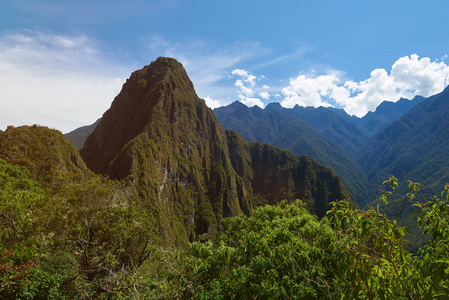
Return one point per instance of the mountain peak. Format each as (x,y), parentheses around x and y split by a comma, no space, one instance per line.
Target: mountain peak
(273,106)
(160,88)
(190,172)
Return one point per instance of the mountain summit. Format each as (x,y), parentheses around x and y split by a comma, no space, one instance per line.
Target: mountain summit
(190,172)
(151,94)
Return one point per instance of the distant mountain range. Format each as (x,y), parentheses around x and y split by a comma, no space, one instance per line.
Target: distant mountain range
(328,135)
(413,147)
(348,144)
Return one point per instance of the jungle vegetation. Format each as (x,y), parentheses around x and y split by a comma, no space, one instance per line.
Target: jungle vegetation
(81,238)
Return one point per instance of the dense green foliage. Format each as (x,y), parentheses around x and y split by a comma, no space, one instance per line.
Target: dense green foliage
(87,237)
(43,151)
(283,252)
(79,238)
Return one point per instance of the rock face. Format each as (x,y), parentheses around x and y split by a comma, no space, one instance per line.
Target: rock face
(188,170)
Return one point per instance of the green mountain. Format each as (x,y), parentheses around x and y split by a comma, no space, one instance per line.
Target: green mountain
(275,126)
(78,136)
(414,147)
(159,136)
(45,152)
(333,123)
(385,114)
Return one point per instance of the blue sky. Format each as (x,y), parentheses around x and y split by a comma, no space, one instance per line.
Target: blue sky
(61,65)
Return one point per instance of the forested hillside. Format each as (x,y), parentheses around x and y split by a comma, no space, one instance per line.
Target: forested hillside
(414,147)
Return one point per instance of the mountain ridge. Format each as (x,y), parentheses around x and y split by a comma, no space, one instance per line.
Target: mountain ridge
(162,138)
(274,126)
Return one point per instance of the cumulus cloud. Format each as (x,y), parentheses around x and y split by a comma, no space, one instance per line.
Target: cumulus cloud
(264,95)
(247,88)
(212,103)
(247,77)
(306,91)
(53,80)
(250,102)
(247,91)
(409,76)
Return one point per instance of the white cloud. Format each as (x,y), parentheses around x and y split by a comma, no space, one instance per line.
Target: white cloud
(250,102)
(409,76)
(208,65)
(212,103)
(247,91)
(247,77)
(265,87)
(309,91)
(57,81)
(264,95)
(246,88)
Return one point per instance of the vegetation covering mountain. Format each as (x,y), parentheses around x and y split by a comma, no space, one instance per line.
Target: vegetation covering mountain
(66,233)
(43,151)
(414,147)
(84,239)
(333,123)
(274,174)
(78,136)
(284,130)
(162,138)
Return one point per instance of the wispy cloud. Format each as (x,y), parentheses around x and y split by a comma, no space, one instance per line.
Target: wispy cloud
(58,81)
(298,53)
(208,64)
